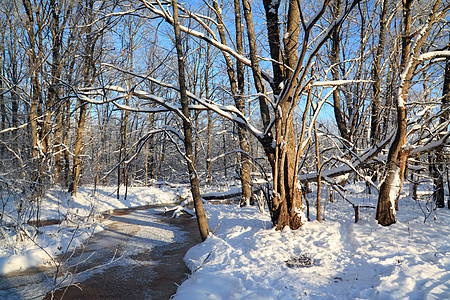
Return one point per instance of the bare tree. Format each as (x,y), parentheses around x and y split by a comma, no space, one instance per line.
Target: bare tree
(187,127)
(237,87)
(88,76)
(439,153)
(376,70)
(398,154)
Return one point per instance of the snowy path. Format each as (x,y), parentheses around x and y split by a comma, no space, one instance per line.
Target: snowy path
(139,255)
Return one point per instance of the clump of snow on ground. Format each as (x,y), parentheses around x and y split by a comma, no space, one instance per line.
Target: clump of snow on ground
(79,217)
(246,258)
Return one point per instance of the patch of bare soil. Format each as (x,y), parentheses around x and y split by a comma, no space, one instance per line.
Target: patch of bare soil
(153,274)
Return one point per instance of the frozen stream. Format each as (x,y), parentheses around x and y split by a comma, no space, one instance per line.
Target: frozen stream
(138,256)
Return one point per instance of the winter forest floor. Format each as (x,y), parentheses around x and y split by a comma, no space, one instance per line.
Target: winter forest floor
(139,255)
(245,258)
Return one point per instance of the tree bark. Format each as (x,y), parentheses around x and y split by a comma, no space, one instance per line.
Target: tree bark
(335,60)
(273,34)
(265,115)
(237,88)
(35,88)
(210,121)
(83,106)
(187,127)
(256,71)
(287,203)
(376,72)
(150,162)
(66,129)
(439,166)
(2,99)
(208,150)
(319,179)
(54,91)
(240,104)
(391,186)
(397,157)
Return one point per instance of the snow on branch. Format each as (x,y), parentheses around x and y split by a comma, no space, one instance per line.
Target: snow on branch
(433,55)
(308,26)
(140,94)
(303,66)
(357,162)
(414,59)
(11,129)
(174,131)
(206,38)
(140,143)
(338,82)
(228,111)
(445,140)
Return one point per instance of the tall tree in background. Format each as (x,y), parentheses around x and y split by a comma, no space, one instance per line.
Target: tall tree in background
(54,90)
(237,89)
(88,78)
(187,128)
(439,153)
(376,72)
(335,66)
(287,201)
(34,27)
(3,113)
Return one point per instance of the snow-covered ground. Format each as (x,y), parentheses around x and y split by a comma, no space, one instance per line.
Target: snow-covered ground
(80,218)
(246,258)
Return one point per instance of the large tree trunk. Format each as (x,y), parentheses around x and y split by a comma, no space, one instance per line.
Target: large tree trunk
(287,203)
(396,162)
(187,127)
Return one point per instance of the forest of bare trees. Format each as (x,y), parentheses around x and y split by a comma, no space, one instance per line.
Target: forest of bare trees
(293,93)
